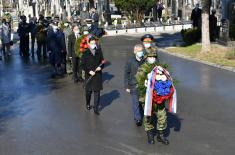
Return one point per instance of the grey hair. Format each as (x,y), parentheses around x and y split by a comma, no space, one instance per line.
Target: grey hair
(138,46)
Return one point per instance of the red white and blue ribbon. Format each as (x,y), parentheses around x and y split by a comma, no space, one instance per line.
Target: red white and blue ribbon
(173,102)
(149,93)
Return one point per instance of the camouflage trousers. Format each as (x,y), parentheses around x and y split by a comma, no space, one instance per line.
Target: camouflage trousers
(160,112)
(69,66)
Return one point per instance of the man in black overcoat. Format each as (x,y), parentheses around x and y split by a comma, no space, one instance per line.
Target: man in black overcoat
(91,63)
(56,47)
(23,32)
(196,16)
(72,38)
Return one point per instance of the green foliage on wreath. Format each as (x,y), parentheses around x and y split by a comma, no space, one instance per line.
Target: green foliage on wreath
(77,46)
(141,76)
(8,17)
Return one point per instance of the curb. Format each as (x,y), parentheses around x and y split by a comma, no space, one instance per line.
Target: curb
(232,69)
(152,29)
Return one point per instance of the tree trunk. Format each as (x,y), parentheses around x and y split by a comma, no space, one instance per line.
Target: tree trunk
(205,26)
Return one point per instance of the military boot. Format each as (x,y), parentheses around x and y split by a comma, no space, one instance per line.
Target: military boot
(161,138)
(150,137)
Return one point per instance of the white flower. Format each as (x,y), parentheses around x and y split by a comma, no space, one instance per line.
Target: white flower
(160,68)
(159,72)
(163,77)
(146,83)
(158,77)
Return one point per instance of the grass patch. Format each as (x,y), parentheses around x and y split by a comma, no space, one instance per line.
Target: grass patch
(220,55)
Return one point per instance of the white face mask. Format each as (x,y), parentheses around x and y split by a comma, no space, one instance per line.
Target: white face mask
(66,24)
(54,27)
(93,46)
(147,45)
(151,60)
(140,54)
(76,32)
(85,32)
(89,25)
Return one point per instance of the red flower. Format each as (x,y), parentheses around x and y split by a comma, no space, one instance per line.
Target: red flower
(160,99)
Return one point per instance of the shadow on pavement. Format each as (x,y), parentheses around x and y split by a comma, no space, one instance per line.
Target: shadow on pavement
(173,122)
(22,80)
(108,98)
(165,40)
(106,76)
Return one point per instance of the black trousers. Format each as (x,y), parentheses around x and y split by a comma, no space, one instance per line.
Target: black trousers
(77,71)
(32,44)
(40,46)
(96,98)
(24,45)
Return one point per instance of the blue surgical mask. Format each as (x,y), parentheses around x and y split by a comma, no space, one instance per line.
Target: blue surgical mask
(85,32)
(140,54)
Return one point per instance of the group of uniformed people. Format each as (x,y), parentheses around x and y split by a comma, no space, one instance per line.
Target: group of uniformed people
(72,47)
(54,38)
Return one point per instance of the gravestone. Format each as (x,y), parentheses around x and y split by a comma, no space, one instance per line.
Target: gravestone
(224,31)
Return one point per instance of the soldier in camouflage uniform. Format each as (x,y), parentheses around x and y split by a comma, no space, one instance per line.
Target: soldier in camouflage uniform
(147,40)
(157,109)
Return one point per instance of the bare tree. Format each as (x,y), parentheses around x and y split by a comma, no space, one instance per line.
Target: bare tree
(205,26)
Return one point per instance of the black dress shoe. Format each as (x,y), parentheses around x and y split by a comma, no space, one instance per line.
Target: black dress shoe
(138,123)
(96,111)
(80,80)
(75,81)
(88,107)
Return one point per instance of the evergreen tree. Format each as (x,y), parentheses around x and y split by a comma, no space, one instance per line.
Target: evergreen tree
(134,9)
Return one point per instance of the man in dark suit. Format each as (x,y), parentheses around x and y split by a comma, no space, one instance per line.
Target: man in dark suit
(56,47)
(23,31)
(95,17)
(196,16)
(91,62)
(72,54)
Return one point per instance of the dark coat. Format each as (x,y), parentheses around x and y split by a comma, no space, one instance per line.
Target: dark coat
(23,29)
(95,18)
(71,45)
(131,69)
(95,30)
(32,27)
(41,33)
(90,62)
(196,17)
(56,44)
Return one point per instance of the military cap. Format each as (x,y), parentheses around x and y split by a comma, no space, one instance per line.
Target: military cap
(147,37)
